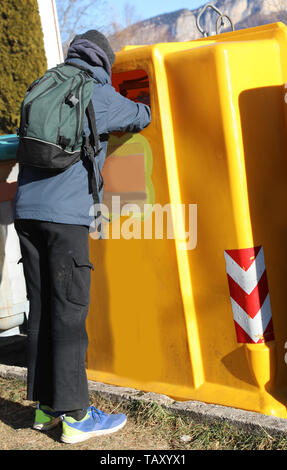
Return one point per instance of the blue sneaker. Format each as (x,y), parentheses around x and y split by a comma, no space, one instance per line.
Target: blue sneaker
(95,423)
(46,418)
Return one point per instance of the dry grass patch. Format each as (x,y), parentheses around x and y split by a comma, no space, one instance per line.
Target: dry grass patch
(149,427)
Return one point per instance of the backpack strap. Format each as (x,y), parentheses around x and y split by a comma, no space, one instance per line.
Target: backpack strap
(94,137)
(92,149)
(89,72)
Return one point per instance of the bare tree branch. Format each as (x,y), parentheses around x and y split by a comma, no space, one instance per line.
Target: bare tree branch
(120,22)
(76,16)
(130,15)
(64,17)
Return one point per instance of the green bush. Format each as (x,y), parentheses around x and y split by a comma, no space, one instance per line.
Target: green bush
(22,57)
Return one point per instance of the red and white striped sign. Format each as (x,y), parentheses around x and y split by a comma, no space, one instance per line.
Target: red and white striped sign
(249,295)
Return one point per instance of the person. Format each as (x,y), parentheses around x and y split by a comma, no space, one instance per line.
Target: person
(52,219)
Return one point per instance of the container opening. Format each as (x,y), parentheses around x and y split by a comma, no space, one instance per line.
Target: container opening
(133,84)
(127,168)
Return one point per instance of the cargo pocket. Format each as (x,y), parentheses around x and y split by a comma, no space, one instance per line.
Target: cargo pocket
(78,287)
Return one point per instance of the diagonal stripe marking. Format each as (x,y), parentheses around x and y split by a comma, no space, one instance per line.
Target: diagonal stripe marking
(243,337)
(249,279)
(254,327)
(250,303)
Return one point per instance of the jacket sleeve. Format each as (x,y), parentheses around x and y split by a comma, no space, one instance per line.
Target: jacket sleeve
(125,115)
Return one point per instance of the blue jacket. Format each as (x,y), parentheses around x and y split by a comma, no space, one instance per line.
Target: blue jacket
(65,197)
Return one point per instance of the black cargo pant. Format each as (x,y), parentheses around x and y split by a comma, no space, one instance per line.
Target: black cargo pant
(57,272)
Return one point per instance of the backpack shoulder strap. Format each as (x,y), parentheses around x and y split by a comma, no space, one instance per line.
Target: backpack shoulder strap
(94,137)
(92,147)
(84,69)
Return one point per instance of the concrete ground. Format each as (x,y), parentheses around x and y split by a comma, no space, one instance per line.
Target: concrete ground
(13,364)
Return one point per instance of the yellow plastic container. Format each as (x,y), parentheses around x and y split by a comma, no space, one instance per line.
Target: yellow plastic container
(200,315)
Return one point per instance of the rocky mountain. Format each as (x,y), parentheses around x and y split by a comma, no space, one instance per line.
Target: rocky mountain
(181,25)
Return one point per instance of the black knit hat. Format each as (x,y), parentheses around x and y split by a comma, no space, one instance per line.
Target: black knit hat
(100,40)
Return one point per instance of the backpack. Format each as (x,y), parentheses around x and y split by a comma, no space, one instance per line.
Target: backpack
(52,117)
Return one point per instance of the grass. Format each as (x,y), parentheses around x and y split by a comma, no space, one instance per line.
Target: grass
(149,427)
